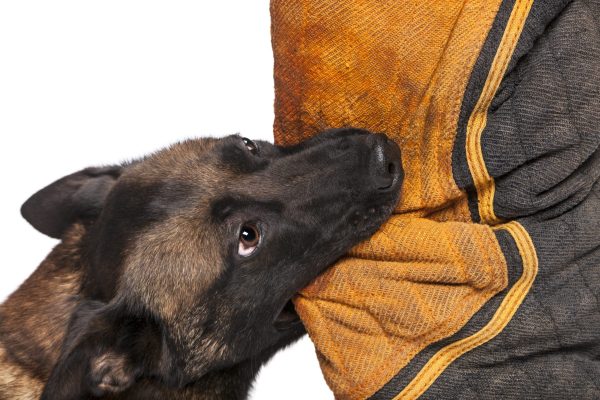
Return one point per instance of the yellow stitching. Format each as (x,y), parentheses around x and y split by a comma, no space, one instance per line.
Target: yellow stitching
(484,183)
(444,357)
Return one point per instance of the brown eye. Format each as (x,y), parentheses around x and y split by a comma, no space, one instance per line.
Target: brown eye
(250,145)
(249,239)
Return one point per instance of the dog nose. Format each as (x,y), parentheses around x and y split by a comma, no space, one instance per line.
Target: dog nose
(385,162)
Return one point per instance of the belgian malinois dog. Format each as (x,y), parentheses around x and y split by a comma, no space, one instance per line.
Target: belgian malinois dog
(174,273)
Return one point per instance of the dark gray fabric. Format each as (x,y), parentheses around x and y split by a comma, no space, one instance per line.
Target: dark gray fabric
(551,347)
(541,144)
(542,13)
(541,139)
(475,324)
(460,168)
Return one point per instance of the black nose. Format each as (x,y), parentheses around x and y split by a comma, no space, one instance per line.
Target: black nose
(385,162)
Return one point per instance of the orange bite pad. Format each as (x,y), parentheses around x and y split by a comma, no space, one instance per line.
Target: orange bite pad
(400,68)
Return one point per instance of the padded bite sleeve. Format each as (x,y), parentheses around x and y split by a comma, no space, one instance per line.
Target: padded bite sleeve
(485,282)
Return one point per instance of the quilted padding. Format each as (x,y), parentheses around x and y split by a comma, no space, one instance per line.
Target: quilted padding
(485,282)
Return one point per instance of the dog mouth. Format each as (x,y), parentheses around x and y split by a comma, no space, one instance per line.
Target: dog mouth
(287,318)
(364,223)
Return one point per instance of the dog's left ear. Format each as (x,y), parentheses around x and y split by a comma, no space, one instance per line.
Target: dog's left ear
(80,195)
(104,353)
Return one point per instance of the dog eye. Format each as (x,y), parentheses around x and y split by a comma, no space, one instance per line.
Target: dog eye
(250,145)
(249,239)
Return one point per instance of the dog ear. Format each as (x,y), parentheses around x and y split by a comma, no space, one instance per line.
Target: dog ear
(104,353)
(80,195)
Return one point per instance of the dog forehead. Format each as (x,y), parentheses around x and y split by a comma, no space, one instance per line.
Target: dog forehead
(178,179)
(158,216)
(171,264)
(183,159)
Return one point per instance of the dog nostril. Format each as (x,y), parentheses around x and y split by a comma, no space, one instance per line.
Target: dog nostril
(391,168)
(386,176)
(385,162)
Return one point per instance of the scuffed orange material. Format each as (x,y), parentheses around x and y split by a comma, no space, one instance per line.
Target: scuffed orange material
(399,68)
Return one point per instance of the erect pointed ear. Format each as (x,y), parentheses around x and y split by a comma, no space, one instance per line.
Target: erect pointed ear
(80,195)
(104,353)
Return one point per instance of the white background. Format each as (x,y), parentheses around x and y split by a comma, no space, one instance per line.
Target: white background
(97,82)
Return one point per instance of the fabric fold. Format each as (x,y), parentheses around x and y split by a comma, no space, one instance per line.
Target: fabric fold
(372,313)
(492,258)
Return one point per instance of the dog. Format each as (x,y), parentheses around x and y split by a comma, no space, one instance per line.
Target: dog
(174,275)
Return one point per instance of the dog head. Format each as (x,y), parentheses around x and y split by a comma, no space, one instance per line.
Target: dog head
(192,254)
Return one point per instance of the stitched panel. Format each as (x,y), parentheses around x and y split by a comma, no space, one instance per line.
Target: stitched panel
(400,69)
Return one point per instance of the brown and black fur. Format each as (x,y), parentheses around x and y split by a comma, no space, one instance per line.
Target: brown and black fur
(146,296)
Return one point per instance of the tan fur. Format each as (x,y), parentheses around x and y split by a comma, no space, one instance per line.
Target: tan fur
(117,366)
(194,262)
(38,314)
(34,319)
(15,382)
(192,253)
(165,263)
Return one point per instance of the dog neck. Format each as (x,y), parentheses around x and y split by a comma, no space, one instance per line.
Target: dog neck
(34,320)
